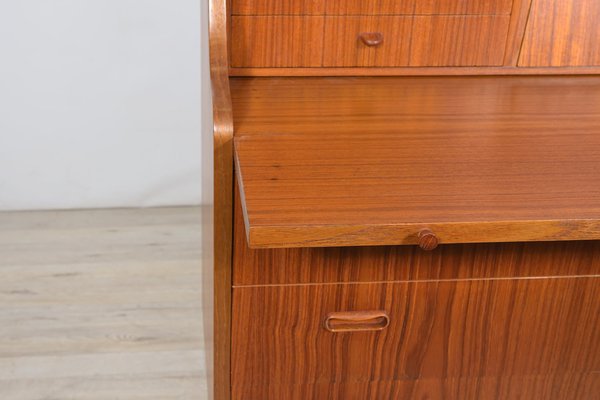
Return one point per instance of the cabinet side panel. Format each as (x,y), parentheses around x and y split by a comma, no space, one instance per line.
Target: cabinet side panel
(223,199)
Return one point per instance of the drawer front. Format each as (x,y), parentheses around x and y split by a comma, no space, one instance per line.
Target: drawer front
(276,41)
(321,340)
(417,7)
(421,41)
(370,7)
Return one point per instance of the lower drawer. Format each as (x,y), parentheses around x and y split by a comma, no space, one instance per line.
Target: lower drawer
(415,41)
(459,338)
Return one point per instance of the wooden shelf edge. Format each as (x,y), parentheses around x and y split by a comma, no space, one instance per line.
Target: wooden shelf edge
(260,237)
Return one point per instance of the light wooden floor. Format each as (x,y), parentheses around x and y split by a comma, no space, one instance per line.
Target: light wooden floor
(101,305)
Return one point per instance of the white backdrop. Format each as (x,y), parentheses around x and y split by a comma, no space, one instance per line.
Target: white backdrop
(102,103)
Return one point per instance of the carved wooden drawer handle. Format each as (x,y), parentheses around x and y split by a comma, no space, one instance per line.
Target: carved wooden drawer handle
(355,321)
(428,240)
(371,39)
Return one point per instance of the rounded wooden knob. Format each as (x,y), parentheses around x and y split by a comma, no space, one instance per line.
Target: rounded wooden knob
(428,240)
(371,39)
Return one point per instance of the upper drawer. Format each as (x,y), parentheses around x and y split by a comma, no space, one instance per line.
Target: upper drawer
(375,7)
(422,41)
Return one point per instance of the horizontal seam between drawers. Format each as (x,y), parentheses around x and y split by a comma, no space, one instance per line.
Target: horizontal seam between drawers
(418,281)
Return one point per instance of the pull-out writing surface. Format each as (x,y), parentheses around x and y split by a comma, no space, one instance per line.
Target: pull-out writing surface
(375,161)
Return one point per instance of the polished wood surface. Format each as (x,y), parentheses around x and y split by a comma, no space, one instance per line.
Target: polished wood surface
(373,161)
(383,105)
(277,41)
(373,7)
(220,347)
(416,41)
(438,331)
(562,33)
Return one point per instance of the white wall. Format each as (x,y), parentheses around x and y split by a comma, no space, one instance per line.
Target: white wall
(102,103)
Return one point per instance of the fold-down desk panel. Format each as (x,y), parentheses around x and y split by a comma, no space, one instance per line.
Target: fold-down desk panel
(374,161)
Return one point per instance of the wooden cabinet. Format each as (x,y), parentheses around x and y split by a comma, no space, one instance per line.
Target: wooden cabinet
(407,199)
(562,33)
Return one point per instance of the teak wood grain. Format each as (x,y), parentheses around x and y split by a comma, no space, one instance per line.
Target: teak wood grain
(372,161)
(277,41)
(416,41)
(256,267)
(562,33)
(439,332)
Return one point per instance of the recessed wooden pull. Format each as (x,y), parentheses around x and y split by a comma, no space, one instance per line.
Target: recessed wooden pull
(355,321)
(428,240)
(371,39)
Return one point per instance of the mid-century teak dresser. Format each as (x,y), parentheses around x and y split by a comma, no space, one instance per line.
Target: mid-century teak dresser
(407,199)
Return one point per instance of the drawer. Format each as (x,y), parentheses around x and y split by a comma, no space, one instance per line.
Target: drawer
(370,7)
(421,41)
(323,341)
(276,41)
